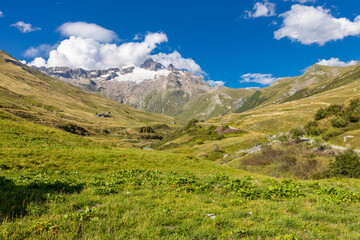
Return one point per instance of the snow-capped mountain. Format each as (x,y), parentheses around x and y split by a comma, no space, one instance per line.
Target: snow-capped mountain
(152,86)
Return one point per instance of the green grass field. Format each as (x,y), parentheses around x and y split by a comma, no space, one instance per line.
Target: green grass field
(57,185)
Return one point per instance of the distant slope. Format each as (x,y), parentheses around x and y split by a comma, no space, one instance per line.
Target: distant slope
(281,117)
(34,96)
(219,102)
(288,89)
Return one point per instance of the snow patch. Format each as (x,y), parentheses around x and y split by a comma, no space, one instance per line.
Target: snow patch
(139,75)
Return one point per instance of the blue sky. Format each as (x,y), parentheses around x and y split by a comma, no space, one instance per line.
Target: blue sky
(227,39)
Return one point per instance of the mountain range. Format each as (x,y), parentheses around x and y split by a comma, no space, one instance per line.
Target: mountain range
(178,93)
(155,88)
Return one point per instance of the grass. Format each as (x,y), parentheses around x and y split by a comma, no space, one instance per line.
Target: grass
(152,204)
(57,185)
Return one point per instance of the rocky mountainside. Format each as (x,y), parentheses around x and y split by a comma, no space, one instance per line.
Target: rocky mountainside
(153,87)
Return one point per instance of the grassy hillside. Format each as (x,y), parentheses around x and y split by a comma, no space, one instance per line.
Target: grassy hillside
(288,89)
(57,185)
(282,117)
(265,124)
(33,96)
(220,102)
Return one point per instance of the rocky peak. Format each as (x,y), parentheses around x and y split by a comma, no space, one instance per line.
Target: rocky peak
(171,67)
(150,64)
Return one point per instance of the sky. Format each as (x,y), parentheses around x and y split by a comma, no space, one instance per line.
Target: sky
(235,43)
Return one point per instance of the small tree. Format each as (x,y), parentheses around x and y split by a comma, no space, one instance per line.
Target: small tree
(346,164)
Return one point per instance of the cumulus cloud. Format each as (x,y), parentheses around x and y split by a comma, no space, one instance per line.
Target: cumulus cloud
(335,62)
(25,27)
(178,61)
(38,62)
(261,9)
(263,79)
(215,83)
(1,14)
(42,50)
(308,25)
(87,53)
(87,30)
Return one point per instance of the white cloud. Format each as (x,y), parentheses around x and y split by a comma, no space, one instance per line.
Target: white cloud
(42,50)
(38,62)
(308,25)
(215,83)
(335,62)
(86,53)
(1,14)
(25,27)
(178,61)
(263,79)
(23,61)
(87,30)
(261,9)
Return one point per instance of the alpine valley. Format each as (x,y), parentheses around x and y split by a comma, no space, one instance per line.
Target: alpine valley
(80,159)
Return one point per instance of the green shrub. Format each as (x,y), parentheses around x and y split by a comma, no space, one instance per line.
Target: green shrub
(191,124)
(346,164)
(320,114)
(297,132)
(312,128)
(224,127)
(339,122)
(354,104)
(333,109)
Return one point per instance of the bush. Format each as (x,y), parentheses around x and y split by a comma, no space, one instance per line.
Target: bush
(297,132)
(224,127)
(320,114)
(339,122)
(191,124)
(333,109)
(312,128)
(346,164)
(354,104)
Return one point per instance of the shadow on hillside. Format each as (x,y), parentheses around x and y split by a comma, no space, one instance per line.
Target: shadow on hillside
(16,199)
